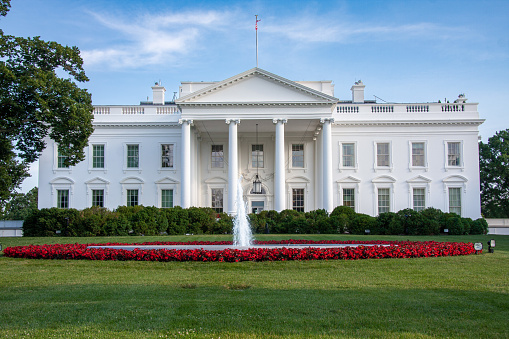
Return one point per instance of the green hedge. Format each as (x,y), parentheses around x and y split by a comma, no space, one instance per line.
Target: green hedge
(140,220)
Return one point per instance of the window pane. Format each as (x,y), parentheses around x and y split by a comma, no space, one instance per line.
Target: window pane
(382,154)
(217,160)
(349,197)
(348,155)
(417,154)
(98,198)
(132,156)
(166,198)
(61,160)
(98,156)
(132,197)
(419,199)
(298,199)
(257,156)
(384,204)
(217,199)
(298,155)
(453,153)
(63,198)
(455,200)
(167,155)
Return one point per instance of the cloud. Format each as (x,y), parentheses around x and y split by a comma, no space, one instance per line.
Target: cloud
(152,39)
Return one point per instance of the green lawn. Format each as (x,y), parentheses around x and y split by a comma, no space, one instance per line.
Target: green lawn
(454,297)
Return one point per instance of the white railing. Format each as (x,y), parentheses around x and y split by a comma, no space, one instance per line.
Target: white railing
(369,108)
(348,109)
(382,109)
(136,110)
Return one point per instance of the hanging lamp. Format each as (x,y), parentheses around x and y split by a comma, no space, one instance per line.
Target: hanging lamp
(257,184)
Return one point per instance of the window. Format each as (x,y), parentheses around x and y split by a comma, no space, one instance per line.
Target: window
(419,199)
(132,197)
(63,198)
(298,155)
(455,200)
(133,156)
(384,202)
(382,154)
(217,199)
(418,154)
(453,154)
(97,156)
(98,198)
(61,160)
(166,198)
(257,156)
(257,206)
(167,155)
(217,160)
(348,156)
(349,197)
(298,199)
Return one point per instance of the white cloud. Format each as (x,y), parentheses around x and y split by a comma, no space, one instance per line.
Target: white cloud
(153,39)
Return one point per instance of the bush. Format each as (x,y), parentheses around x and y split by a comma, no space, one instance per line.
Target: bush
(455,225)
(361,223)
(479,226)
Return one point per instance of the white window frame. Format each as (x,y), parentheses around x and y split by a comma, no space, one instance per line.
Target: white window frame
(375,158)
(175,163)
(132,183)
(250,160)
(223,169)
(455,181)
(461,166)
(383,181)
(217,182)
(410,154)
(167,183)
(290,154)
(57,169)
(132,169)
(225,200)
(97,183)
(419,182)
(349,182)
(342,167)
(298,182)
(62,183)
(91,157)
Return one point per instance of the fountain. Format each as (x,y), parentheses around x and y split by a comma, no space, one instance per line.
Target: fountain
(242,235)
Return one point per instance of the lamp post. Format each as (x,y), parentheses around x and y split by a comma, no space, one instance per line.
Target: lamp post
(257,184)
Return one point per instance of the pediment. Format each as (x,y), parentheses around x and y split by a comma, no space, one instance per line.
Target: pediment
(62,180)
(419,179)
(384,179)
(132,180)
(298,179)
(216,180)
(98,181)
(167,180)
(256,86)
(455,178)
(349,179)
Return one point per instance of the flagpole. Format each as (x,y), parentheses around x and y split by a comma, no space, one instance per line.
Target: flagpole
(256,29)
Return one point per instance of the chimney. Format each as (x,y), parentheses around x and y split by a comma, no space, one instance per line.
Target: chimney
(358,92)
(158,94)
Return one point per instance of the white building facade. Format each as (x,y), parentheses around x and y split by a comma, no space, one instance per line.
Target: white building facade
(309,150)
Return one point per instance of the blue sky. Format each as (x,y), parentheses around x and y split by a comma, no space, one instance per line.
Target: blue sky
(404,51)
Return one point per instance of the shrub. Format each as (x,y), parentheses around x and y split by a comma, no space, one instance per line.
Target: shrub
(479,226)
(455,225)
(361,223)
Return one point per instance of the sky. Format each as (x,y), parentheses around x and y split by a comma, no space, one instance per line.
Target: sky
(403,51)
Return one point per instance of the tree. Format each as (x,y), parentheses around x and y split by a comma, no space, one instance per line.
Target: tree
(21,205)
(494,168)
(35,103)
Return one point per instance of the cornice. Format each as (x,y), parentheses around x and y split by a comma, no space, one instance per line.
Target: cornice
(254,104)
(472,122)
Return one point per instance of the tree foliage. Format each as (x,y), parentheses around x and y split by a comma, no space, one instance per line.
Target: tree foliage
(494,168)
(21,205)
(36,103)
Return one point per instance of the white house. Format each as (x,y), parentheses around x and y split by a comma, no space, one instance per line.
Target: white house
(309,149)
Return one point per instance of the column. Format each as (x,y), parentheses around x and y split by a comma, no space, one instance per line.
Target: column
(233,168)
(279,175)
(328,203)
(186,163)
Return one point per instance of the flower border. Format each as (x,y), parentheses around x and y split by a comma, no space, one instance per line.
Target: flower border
(393,249)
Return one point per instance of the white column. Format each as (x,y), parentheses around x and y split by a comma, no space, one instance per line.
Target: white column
(279,176)
(186,163)
(233,167)
(328,203)
(318,169)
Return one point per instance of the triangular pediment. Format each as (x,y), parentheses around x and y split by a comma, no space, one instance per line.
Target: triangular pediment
(384,179)
(167,181)
(256,86)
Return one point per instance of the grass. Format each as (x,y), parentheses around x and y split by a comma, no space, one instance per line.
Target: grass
(453,297)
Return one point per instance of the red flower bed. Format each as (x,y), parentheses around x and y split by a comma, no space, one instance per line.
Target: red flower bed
(396,249)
